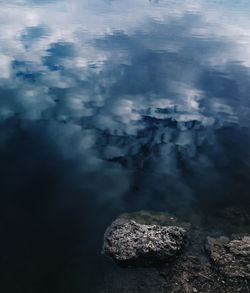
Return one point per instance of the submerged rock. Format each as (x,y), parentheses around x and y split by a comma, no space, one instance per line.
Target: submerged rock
(155,218)
(132,244)
(223,267)
(231,257)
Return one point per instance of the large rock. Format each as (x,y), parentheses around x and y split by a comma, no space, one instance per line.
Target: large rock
(133,244)
(230,257)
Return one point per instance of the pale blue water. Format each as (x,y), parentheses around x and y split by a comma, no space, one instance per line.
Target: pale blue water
(109,106)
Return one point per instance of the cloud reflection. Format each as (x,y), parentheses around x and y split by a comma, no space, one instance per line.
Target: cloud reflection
(109,106)
(128,91)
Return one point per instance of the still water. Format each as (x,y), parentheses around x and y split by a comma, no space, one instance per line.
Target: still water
(109,106)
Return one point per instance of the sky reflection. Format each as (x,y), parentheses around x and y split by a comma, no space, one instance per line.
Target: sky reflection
(142,104)
(152,75)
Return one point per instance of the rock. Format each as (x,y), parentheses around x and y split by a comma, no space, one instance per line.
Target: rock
(230,257)
(193,270)
(133,244)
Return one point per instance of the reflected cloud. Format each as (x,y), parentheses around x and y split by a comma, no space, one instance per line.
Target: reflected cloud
(112,106)
(127,86)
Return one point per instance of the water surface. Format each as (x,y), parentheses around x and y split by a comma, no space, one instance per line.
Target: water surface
(110,106)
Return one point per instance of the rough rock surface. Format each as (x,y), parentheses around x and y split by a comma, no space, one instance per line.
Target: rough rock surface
(133,244)
(231,258)
(194,270)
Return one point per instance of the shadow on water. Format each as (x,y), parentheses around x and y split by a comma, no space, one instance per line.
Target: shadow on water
(47,245)
(52,228)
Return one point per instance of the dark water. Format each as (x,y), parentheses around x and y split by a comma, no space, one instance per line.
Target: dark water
(110,106)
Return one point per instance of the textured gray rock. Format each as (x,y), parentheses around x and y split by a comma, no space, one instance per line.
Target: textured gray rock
(231,257)
(133,244)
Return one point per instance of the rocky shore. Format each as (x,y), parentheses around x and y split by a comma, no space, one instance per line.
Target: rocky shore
(165,255)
